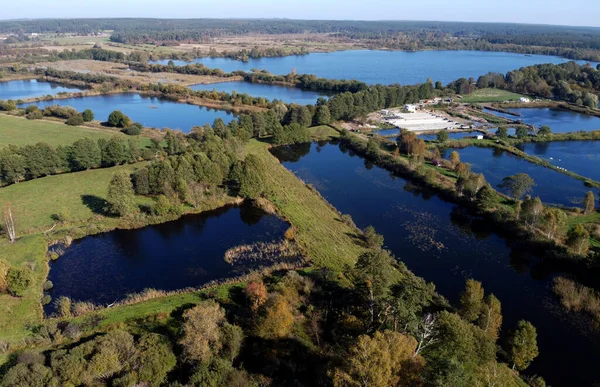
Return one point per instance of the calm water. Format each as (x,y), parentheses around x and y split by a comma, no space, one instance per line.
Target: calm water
(440,243)
(386,67)
(581,157)
(184,253)
(559,120)
(16,90)
(150,111)
(551,186)
(270,92)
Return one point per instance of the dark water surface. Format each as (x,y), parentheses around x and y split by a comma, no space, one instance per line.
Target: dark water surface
(386,67)
(150,111)
(16,90)
(444,245)
(551,186)
(270,92)
(184,253)
(581,157)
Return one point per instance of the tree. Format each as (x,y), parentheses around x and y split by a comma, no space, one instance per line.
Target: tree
(113,152)
(87,115)
(486,197)
(521,132)
(517,185)
(257,294)
(531,210)
(502,132)
(17,281)
(490,319)
(523,345)
(554,222)
(85,154)
(578,239)
(121,197)
(372,239)
(154,359)
(589,203)
(471,300)
(278,320)
(323,115)
(386,359)
(544,130)
(454,158)
(442,136)
(374,276)
(252,178)
(201,334)
(9,223)
(118,120)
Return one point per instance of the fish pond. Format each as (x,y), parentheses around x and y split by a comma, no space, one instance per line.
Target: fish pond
(270,92)
(188,252)
(558,120)
(551,186)
(581,157)
(30,88)
(445,245)
(150,111)
(385,67)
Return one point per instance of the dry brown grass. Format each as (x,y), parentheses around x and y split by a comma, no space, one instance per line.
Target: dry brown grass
(121,71)
(577,298)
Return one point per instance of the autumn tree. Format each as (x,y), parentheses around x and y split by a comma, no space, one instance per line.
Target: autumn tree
(518,185)
(454,158)
(554,222)
(121,197)
(471,300)
(589,203)
(386,359)
(278,319)
(257,294)
(201,333)
(490,319)
(523,345)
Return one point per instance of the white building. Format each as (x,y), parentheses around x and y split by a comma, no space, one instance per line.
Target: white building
(410,108)
(524,100)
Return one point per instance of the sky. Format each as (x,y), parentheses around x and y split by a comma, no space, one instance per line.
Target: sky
(561,12)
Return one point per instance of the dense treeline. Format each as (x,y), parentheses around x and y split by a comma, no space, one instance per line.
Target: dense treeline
(571,82)
(571,42)
(33,161)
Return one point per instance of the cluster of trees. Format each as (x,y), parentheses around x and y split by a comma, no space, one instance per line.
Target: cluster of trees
(93,54)
(381,327)
(33,161)
(571,82)
(97,78)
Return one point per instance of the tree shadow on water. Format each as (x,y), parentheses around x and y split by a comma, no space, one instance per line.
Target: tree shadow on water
(95,203)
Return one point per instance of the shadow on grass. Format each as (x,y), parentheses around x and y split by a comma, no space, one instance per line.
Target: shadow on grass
(95,203)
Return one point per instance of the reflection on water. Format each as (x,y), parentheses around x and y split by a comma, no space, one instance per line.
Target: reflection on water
(445,245)
(184,253)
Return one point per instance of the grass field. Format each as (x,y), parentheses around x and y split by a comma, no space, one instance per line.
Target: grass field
(491,95)
(20,131)
(34,202)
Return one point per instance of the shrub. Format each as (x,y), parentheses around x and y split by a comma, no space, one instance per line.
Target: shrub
(63,307)
(118,120)
(75,120)
(17,281)
(8,105)
(48,285)
(46,300)
(31,109)
(132,130)
(35,115)
(81,308)
(87,115)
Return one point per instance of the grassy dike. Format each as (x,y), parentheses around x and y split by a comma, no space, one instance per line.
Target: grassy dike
(320,232)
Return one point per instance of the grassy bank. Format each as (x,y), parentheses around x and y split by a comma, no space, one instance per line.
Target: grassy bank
(490,95)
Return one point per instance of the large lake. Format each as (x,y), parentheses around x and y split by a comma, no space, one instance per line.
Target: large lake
(270,92)
(581,157)
(444,245)
(559,120)
(150,111)
(551,186)
(16,90)
(386,67)
(184,253)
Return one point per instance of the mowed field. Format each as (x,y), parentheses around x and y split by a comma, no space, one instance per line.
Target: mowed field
(20,131)
(491,95)
(76,196)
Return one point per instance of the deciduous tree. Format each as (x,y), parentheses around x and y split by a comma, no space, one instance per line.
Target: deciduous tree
(523,345)
(471,300)
(121,197)
(518,185)
(589,203)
